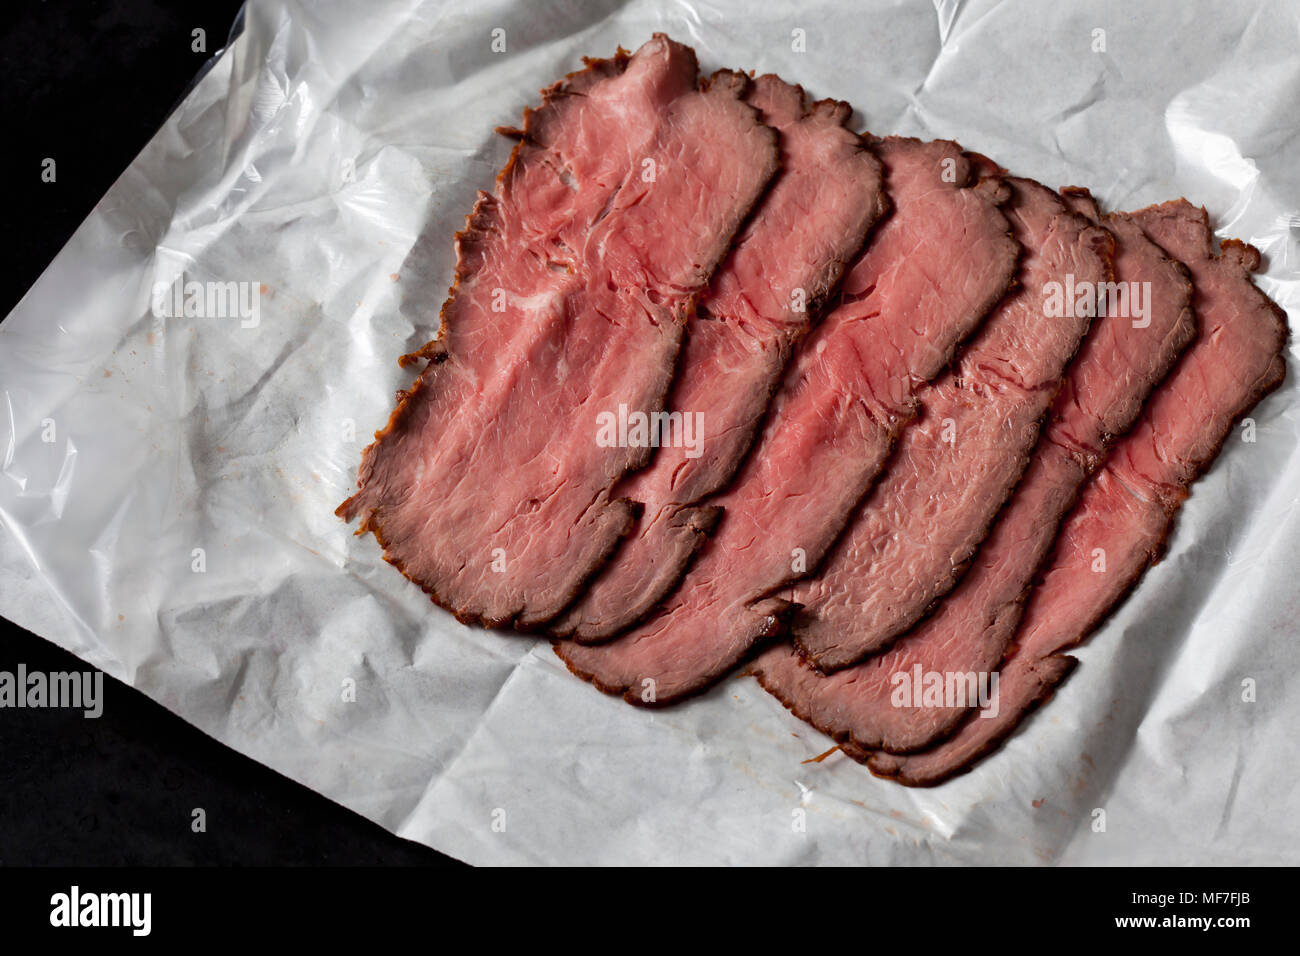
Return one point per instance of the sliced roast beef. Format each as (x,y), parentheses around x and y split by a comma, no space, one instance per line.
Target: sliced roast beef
(928,278)
(786,262)
(491,486)
(1126,513)
(956,467)
(900,700)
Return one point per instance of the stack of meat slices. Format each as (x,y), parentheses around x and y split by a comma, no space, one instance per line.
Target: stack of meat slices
(721,383)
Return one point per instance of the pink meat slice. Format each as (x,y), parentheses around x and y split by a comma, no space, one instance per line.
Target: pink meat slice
(1128,509)
(958,464)
(1120,363)
(488,487)
(930,275)
(785,263)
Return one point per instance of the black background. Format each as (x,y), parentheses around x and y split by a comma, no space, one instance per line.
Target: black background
(88,83)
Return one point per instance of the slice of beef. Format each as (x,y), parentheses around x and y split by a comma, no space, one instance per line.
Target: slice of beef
(956,467)
(491,486)
(1125,515)
(786,262)
(1119,364)
(930,275)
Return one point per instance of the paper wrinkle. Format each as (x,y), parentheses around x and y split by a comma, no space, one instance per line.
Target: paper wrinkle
(329,155)
(947,12)
(10,445)
(449,767)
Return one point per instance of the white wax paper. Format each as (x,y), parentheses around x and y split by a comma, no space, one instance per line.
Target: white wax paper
(329,156)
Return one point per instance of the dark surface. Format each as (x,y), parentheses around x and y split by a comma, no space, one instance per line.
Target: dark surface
(88,83)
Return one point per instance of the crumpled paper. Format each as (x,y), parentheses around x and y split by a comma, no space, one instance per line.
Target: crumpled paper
(168,484)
